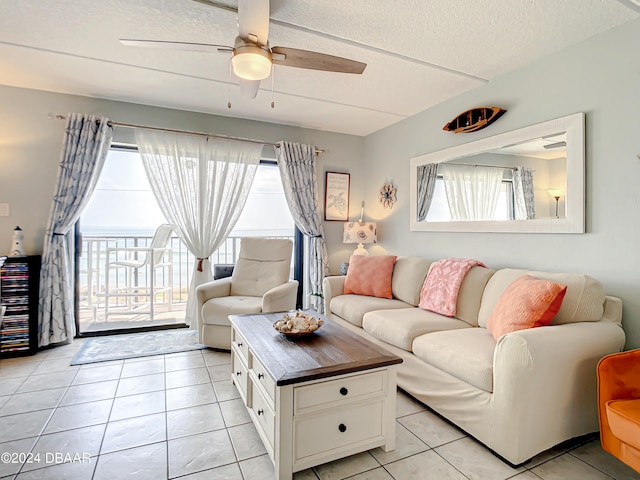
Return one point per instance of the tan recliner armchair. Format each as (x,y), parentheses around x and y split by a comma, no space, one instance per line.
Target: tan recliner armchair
(259,283)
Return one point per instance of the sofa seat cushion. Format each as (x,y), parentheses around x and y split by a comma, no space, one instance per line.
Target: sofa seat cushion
(216,311)
(624,420)
(466,354)
(401,326)
(353,307)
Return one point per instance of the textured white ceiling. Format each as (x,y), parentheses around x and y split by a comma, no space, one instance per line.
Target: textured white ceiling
(419,52)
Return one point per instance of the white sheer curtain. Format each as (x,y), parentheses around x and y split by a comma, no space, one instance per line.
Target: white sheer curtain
(472,192)
(201,185)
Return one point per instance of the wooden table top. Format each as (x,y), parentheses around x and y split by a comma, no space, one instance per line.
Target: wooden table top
(331,350)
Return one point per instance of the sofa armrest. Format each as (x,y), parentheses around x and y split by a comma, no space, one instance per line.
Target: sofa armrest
(546,377)
(619,376)
(618,379)
(332,287)
(207,291)
(281,298)
(213,289)
(612,309)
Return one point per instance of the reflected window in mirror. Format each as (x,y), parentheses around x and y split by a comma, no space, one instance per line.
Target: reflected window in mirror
(441,206)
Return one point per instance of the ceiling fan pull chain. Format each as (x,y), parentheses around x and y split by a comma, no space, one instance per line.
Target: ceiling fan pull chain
(273,75)
(229,85)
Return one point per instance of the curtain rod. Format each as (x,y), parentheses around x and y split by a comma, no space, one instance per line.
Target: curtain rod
(477,165)
(172,130)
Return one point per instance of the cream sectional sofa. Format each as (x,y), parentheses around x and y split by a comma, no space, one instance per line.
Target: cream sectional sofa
(521,395)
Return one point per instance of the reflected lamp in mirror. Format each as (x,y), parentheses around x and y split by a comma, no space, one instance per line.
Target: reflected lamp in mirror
(360,233)
(556,194)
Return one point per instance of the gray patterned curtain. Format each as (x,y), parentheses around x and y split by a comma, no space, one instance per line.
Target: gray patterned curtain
(427,175)
(297,170)
(86,143)
(523,193)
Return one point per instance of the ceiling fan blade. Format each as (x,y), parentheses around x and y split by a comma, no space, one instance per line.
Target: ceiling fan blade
(294,57)
(213,3)
(189,46)
(253,20)
(248,88)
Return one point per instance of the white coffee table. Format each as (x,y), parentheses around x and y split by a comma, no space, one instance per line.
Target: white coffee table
(313,399)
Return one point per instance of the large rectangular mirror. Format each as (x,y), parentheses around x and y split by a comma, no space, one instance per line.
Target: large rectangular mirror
(526,180)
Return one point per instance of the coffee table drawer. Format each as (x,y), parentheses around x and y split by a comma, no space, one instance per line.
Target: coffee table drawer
(263,412)
(340,390)
(336,428)
(241,344)
(264,379)
(240,374)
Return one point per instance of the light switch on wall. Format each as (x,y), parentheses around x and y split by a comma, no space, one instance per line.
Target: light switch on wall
(4,209)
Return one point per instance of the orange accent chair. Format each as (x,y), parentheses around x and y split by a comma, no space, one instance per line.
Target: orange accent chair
(619,406)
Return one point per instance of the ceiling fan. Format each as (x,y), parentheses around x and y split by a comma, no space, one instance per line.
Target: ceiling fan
(253,57)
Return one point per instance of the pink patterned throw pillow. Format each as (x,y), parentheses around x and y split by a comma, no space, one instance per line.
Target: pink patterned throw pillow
(439,292)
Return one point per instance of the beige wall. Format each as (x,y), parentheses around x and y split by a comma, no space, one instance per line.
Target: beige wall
(600,77)
(30,145)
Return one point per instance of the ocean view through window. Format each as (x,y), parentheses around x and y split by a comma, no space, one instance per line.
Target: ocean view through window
(123,212)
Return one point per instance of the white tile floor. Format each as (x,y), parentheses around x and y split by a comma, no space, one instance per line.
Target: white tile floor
(178,416)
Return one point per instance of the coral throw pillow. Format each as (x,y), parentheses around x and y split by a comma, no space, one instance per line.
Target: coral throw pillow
(370,275)
(527,303)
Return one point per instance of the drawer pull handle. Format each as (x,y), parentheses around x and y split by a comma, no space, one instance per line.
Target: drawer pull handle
(344,391)
(260,376)
(342,427)
(261,412)
(238,373)
(240,344)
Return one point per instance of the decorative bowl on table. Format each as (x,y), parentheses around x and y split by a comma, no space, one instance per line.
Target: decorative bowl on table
(298,324)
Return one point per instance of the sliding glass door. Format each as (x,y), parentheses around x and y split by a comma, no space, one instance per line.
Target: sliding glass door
(119,286)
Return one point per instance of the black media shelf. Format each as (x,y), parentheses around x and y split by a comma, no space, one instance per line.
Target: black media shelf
(19,294)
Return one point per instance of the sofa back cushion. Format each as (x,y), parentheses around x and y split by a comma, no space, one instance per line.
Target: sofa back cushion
(583,301)
(470,294)
(408,276)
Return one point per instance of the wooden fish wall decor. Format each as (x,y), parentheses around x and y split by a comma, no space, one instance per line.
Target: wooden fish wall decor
(474,119)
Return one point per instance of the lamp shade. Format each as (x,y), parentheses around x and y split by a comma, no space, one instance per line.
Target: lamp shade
(556,193)
(360,232)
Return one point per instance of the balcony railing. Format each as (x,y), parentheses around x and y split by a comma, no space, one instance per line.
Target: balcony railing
(94,263)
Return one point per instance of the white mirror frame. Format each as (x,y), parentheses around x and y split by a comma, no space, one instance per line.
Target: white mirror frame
(573,222)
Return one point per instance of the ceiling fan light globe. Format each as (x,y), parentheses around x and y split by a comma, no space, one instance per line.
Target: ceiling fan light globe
(251,65)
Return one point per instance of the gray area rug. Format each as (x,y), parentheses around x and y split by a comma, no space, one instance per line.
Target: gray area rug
(131,345)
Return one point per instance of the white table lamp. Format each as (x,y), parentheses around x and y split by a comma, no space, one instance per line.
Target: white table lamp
(360,233)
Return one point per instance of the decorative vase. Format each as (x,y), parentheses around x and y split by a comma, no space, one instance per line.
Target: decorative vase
(17,249)
(343,268)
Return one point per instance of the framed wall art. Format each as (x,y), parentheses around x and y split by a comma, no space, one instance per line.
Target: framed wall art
(336,197)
